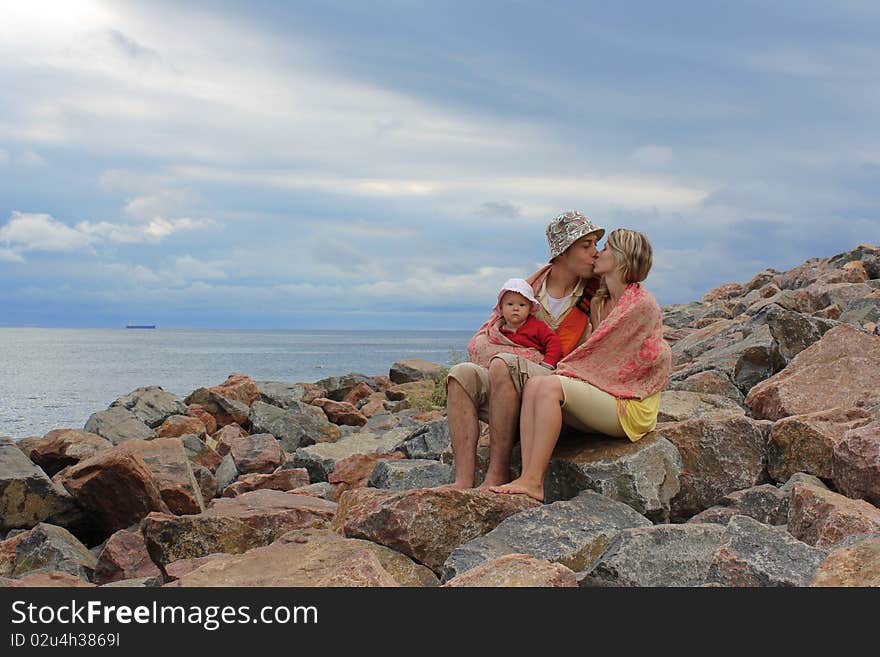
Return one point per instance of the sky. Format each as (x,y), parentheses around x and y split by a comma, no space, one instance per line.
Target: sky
(347,165)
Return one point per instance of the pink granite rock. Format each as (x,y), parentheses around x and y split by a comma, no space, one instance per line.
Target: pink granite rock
(178,425)
(198,411)
(822,518)
(354,471)
(857,463)
(359,392)
(63,447)
(341,412)
(167,460)
(45,579)
(225,436)
(516,570)
(238,387)
(258,453)
(124,556)
(856,565)
(278,480)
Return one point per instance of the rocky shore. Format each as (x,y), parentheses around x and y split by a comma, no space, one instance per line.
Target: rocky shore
(764,470)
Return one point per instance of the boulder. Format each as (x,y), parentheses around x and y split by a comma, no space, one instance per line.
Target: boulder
(233,524)
(805,443)
(171,469)
(199,412)
(573,532)
(724,292)
(415,369)
(415,393)
(861,312)
(857,463)
(319,489)
(719,456)
(45,579)
(754,554)
(280,393)
(296,426)
(238,387)
(222,441)
(407,474)
(257,453)
(659,555)
(354,471)
(198,452)
(643,475)
(8,548)
(123,557)
(765,503)
(177,569)
(837,371)
(822,518)
(207,482)
(225,474)
(229,402)
(320,459)
(312,558)
(136,582)
(427,442)
(711,382)
(179,425)
(151,405)
(516,570)
(48,547)
(341,412)
(856,565)
(62,447)
(27,495)
(338,387)
(426,525)
(278,480)
(117,425)
(360,392)
(678,405)
(115,487)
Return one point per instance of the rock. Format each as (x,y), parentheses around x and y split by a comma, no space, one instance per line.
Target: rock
(839,370)
(822,518)
(427,442)
(320,459)
(753,554)
(257,453)
(298,425)
(338,387)
(359,392)
(27,495)
(426,525)
(374,405)
(207,482)
(117,425)
(151,405)
(516,570)
(711,382)
(354,471)
(407,474)
(179,425)
(280,393)
(238,387)
(136,582)
(198,452)
(805,443)
(124,557)
(48,547)
(229,402)
(724,292)
(414,369)
(719,456)
(857,463)
(573,532)
(198,411)
(278,480)
(801,478)
(678,405)
(312,558)
(116,487)
(62,447)
(341,412)
(320,489)
(765,503)
(166,459)
(233,524)
(8,548)
(680,315)
(659,555)
(857,565)
(860,312)
(643,475)
(177,569)
(225,436)
(45,579)
(226,473)
(415,393)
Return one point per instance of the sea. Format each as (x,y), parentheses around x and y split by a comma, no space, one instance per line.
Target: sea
(56,378)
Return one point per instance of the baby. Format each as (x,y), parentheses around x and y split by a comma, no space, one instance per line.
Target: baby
(517,304)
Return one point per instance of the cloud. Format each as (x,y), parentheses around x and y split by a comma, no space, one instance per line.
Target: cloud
(30,160)
(4,157)
(498,209)
(653,155)
(40,232)
(8,255)
(154,230)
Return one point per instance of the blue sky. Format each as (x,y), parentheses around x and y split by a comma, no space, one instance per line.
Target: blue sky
(389,164)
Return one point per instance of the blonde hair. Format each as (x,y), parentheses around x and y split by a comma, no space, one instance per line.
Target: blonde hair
(633,255)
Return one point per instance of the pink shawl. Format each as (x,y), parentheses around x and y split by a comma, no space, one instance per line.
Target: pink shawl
(626,356)
(489,340)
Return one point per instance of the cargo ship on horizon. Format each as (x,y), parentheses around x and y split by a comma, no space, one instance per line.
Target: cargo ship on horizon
(140,326)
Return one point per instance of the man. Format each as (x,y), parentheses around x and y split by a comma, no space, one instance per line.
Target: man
(490,387)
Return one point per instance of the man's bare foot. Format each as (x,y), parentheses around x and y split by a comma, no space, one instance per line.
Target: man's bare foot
(519,487)
(488,483)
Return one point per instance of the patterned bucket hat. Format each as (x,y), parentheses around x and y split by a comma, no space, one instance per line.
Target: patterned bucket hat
(567,228)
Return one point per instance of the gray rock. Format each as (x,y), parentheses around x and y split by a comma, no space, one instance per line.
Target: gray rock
(338,387)
(381,421)
(710,381)
(226,473)
(427,442)
(280,393)
(680,315)
(573,532)
(48,547)
(753,554)
(414,369)
(151,405)
(643,475)
(117,424)
(27,495)
(660,555)
(406,474)
(677,405)
(320,488)
(320,459)
(802,478)
(318,467)
(765,503)
(135,582)
(864,310)
(297,426)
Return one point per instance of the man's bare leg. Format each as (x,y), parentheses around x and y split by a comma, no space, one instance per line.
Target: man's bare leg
(464,429)
(503,422)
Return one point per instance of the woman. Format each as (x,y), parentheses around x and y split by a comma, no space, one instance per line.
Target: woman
(610,384)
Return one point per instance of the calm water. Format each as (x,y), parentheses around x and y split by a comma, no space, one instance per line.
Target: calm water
(51,378)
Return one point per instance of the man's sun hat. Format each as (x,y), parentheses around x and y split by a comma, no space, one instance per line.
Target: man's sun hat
(567,228)
(520,286)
